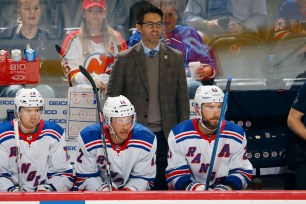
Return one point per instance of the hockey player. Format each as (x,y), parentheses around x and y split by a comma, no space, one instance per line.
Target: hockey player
(191,144)
(131,150)
(44,164)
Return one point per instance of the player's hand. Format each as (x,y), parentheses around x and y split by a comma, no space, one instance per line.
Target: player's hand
(221,187)
(105,187)
(195,186)
(15,188)
(45,188)
(204,72)
(126,189)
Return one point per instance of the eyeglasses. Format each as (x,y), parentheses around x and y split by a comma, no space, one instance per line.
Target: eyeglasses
(151,24)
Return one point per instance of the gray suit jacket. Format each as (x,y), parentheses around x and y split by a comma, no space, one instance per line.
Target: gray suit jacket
(129,78)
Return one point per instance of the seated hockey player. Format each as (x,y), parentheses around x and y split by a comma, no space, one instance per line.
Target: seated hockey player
(131,149)
(33,152)
(191,144)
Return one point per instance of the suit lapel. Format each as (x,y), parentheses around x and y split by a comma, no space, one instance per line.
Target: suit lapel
(139,58)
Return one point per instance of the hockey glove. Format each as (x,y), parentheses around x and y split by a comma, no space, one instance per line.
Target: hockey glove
(15,188)
(104,187)
(195,186)
(45,188)
(126,189)
(221,187)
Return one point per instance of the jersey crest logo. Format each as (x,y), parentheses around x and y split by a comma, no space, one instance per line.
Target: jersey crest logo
(98,63)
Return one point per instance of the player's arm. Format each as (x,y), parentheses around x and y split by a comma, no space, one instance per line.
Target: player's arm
(5,174)
(178,174)
(60,171)
(295,123)
(240,168)
(87,171)
(144,171)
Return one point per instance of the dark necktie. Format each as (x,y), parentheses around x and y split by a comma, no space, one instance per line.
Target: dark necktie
(152,53)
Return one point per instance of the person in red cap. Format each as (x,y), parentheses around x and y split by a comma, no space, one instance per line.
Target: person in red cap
(89,3)
(92,46)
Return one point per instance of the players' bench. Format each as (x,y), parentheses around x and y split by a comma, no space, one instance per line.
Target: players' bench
(263,115)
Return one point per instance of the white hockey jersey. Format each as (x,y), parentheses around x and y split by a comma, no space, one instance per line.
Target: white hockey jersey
(44,158)
(190,153)
(132,163)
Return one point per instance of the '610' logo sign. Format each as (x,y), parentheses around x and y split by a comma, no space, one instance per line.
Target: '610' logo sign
(17,67)
(17,71)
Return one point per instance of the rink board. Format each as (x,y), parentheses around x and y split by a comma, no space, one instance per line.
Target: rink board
(160,197)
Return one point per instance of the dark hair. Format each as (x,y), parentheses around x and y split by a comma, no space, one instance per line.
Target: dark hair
(146,10)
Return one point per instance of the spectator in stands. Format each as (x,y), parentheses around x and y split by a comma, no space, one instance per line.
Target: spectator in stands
(124,14)
(33,152)
(131,149)
(291,19)
(297,123)
(214,17)
(152,76)
(27,34)
(188,41)
(92,46)
(191,145)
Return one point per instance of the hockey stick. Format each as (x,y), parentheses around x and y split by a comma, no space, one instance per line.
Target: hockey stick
(18,154)
(222,115)
(58,48)
(94,88)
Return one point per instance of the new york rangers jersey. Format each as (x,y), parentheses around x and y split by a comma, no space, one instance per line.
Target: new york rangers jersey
(132,163)
(190,154)
(44,158)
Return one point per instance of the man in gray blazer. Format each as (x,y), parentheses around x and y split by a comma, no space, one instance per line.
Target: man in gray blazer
(152,76)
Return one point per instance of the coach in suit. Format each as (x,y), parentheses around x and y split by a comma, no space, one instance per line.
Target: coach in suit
(152,76)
